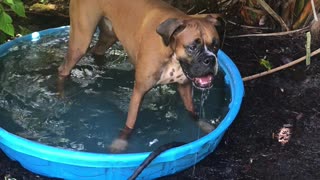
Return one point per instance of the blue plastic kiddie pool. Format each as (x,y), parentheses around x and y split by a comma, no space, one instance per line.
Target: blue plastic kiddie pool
(67,164)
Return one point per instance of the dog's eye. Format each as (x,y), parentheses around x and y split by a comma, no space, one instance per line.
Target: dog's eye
(197,41)
(214,46)
(192,47)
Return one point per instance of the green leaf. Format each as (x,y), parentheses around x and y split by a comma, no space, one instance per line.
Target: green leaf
(16,6)
(9,2)
(6,24)
(265,63)
(299,7)
(5,18)
(8,29)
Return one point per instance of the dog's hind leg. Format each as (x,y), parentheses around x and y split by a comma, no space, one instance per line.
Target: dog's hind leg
(106,37)
(83,23)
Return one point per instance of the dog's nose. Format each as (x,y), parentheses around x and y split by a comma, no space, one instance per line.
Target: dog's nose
(206,62)
(209,61)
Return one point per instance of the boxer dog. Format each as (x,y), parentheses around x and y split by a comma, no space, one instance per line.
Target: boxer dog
(164,44)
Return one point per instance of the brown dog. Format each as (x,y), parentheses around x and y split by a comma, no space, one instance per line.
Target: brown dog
(164,44)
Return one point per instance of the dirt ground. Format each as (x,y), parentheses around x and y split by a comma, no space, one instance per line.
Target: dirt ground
(250,148)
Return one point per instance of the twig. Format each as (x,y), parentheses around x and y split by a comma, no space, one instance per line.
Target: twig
(189,10)
(202,11)
(248,27)
(314,11)
(256,11)
(269,34)
(308,48)
(266,7)
(280,67)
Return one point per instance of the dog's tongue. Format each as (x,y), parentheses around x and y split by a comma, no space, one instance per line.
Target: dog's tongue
(204,81)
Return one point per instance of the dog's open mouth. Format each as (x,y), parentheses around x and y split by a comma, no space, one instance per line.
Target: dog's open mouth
(199,80)
(204,82)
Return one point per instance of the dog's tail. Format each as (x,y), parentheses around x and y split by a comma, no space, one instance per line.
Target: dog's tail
(152,156)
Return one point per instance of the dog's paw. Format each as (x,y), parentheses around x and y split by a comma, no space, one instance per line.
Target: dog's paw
(118,145)
(205,126)
(60,87)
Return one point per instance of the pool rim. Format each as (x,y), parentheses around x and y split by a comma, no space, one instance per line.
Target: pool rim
(88,159)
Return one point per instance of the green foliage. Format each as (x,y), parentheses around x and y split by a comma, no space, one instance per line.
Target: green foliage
(299,6)
(6,25)
(265,63)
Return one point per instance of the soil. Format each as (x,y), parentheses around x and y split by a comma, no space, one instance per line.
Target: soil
(250,149)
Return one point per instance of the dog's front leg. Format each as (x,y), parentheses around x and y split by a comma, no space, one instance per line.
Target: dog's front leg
(120,144)
(185,91)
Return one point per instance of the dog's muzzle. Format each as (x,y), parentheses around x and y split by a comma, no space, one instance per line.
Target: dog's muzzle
(201,71)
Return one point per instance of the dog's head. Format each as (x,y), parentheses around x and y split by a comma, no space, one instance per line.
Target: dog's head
(195,43)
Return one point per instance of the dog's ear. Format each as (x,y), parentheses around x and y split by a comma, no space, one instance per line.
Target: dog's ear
(215,19)
(219,22)
(168,28)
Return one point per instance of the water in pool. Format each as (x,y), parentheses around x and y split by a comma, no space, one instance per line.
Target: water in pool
(96,100)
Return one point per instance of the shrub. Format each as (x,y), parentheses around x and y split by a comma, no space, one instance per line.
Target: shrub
(6,26)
